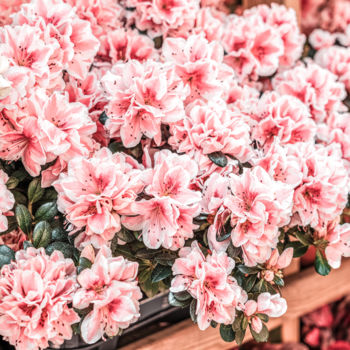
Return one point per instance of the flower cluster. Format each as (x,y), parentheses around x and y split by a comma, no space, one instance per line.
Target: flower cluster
(166,145)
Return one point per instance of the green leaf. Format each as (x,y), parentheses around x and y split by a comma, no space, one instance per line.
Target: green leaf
(244,323)
(116,147)
(213,324)
(46,211)
(321,265)
(218,158)
(193,308)
(249,282)
(11,225)
(20,174)
(182,296)
(146,253)
(6,255)
(84,263)
(35,191)
(303,237)
(103,118)
(263,336)
(174,302)
(58,234)
(125,235)
(232,251)
(160,272)
(263,317)
(23,218)
(299,249)
(50,195)
(278,281)
(227,333)
(166,259)
(240,334)
(42,234)
(12,182)
(248,270)
(225,232)
(27,244)
(66,249)
(238,321)
(20,198)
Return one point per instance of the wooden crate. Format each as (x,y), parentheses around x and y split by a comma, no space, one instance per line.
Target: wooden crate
(305,291)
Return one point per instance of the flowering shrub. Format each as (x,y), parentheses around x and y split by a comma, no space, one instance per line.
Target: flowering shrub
(165,145)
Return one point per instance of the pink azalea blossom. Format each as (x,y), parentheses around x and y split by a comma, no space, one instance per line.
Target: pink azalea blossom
(321,39)
(5,85)
(208,281)
(208,128)
(142,97)
(7,201)
(36,294)
(7,8)
(322,194)
(259,206)
(337,60)
(284,117)
(276,263)
(95,192)
(166,219)
(316,87)
(110,287)
(199,64)
(14,239)
(210,22)
(161,17)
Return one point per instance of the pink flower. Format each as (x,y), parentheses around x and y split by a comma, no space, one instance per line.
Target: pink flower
(339,244)
(61,24)
(210,22)
(7,201)
(160,17)
(316,87)
(5,85)
(166,219)
(208,281)
(110,287)
(199,64)
(23,142)
(276,263)
(208,128)
(267,304)
(284,117)
(321,39)
(142,98)
(259,206)
(7,8)
(322,194)
(337,60)
(36,291)
(95,192)
(124,45)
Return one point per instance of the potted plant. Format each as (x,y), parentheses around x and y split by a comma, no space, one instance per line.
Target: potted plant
(159,148)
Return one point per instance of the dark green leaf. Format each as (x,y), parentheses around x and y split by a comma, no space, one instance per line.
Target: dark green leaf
(249,282)
(23,218)
(237,324)
(144,275)
(193,309)
(58,234)
(299,249)
(125,235)
(116,147)
(174,302)
(213,324)
(66,249)
(248,270)
(263,317)
(27,244)
(166,259)
(12,182)
(35,191)
(278,281)
(6,255)
(146,253)
(84,263)
(11,225)
(103,118)
(227,333)
(182,296)
(263,336)
(218,158)
(20,174)
(303,237)
(244,323)
(321,265)
(160,272)
(46,211)
(50,195)
(240,334)
(42,234)
(20,198)
(232,251)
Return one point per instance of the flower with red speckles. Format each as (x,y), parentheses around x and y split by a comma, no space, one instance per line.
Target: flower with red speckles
(208,281)
(36,292)
(110,286)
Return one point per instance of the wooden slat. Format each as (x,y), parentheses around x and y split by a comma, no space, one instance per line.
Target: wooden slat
(305,292)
